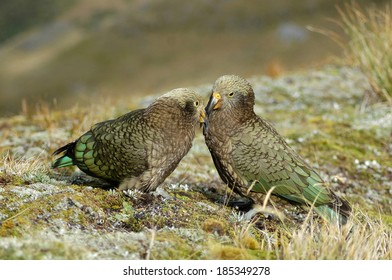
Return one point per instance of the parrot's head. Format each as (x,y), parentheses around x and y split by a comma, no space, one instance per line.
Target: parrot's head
(184,102)
(231,92)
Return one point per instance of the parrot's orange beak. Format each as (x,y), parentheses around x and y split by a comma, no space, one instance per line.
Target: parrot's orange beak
(214,103)
(202,117)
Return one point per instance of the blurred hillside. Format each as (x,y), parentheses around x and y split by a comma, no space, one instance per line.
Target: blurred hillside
(69,51)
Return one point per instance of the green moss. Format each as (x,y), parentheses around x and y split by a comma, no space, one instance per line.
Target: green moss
(49,250)
(227,252)
(250,242)
(262,255)
(387,219)
(214,226)
(184,196)
(7,228)
(127,217)
(173,247)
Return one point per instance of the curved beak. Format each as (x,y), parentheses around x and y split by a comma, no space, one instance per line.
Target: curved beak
(214,103)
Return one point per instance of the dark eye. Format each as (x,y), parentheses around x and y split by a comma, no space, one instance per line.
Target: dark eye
(231,94)
(196,103)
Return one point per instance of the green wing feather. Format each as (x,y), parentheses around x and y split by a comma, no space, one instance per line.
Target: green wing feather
(261,157)
(110,150)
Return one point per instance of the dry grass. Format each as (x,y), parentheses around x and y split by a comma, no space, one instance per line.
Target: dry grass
(369,32)
(363,238)
(22,166)
(369,239)
(370,44)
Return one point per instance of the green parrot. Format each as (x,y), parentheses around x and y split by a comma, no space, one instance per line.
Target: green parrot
(251,157)
(140,149)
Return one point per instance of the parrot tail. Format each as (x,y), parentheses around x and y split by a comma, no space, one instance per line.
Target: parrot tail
(336,212)
(67,158)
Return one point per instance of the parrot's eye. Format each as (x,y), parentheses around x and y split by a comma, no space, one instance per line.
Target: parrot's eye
(231,94)
(197,103)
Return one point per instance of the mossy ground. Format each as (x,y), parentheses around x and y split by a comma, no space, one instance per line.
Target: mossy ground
(64,214)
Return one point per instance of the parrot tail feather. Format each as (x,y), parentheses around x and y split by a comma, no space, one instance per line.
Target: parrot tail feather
(337,212)
(67,158)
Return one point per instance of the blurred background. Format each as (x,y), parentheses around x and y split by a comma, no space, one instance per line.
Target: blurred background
(68,52)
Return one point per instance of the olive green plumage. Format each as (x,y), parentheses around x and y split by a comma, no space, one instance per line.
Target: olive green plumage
(141,148)
(251,157)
